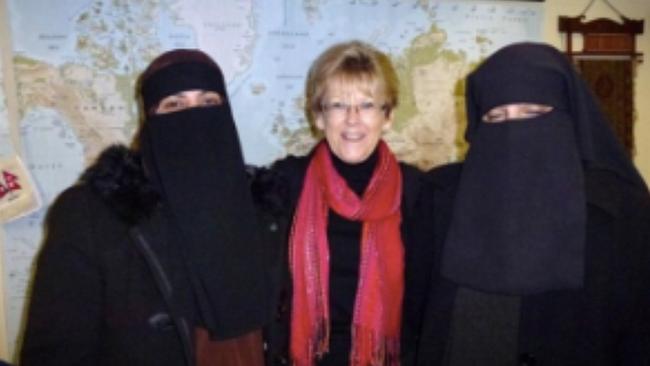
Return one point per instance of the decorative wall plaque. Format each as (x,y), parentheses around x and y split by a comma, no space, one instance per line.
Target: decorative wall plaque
(607,62)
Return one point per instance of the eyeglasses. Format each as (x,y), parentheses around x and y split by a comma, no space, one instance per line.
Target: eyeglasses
(340,110)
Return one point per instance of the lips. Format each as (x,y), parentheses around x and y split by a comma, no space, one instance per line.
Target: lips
(353,136)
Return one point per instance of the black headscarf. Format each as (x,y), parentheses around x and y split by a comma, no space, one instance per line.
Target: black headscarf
(519,220)
(194,159)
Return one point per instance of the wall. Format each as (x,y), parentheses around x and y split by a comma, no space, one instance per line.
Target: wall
(634,9)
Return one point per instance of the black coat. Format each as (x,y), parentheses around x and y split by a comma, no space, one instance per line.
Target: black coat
(282,186)
(605,323)
(108,279)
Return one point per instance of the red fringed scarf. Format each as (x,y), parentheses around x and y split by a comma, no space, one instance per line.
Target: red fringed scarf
(378,304)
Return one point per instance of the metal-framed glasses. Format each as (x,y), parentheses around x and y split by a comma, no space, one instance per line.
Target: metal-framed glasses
(340,110)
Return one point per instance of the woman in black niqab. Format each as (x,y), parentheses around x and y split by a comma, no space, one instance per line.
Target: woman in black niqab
(193,157)
(518,225)
(541,233)
(154,257)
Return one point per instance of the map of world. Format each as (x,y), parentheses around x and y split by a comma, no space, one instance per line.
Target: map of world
(74,66)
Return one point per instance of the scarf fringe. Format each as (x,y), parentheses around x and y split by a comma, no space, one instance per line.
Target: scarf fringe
(317,347)
(322,339)
(373,349)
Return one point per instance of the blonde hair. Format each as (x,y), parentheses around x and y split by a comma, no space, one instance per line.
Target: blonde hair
(352,62)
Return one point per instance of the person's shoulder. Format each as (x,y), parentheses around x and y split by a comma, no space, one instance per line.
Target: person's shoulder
(70,218)
(412,187)
(291,165)
(411,175)
(273,187)
(77,197)
(410,171)
(444,176)
(608,191)
(118,178)
(80,205)
(292,170)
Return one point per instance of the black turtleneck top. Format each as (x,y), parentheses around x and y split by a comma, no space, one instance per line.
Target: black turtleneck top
(344,239)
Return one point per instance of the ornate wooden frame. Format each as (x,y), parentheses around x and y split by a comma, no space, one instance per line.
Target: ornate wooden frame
(607,62)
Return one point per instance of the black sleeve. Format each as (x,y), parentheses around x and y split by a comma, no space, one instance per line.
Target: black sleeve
(271,193)
(64,315)
(417,225)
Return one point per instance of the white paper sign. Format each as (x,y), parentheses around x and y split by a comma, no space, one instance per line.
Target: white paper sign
(18,195)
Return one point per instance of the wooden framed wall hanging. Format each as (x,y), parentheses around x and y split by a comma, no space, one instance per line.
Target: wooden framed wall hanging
(607,62)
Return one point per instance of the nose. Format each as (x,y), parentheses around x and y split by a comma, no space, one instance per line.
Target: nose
(516,111)
(352,114)
(193,102)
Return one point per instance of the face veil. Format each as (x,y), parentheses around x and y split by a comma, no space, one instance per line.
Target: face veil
(519,217)
(193,158)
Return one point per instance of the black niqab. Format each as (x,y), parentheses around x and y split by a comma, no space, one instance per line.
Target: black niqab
(194,159)
(519,219)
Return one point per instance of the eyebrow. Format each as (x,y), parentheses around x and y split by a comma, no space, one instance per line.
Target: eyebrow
(178,95)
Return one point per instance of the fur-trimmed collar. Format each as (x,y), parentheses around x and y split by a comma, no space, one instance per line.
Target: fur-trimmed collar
(118,178)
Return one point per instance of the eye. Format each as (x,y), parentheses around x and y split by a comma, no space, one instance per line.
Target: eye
(170,104)
(531,114)
(337,106)
(494,116)
(367,106)
(535,110)
(211,99)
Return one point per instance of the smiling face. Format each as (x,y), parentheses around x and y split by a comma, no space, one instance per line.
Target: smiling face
(188,99)
(352,119)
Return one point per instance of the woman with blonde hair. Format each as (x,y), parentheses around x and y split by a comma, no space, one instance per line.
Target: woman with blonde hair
(352,205)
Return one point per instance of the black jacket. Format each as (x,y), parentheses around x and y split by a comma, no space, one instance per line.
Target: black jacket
(282,186)
(605,323)
(108,279)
